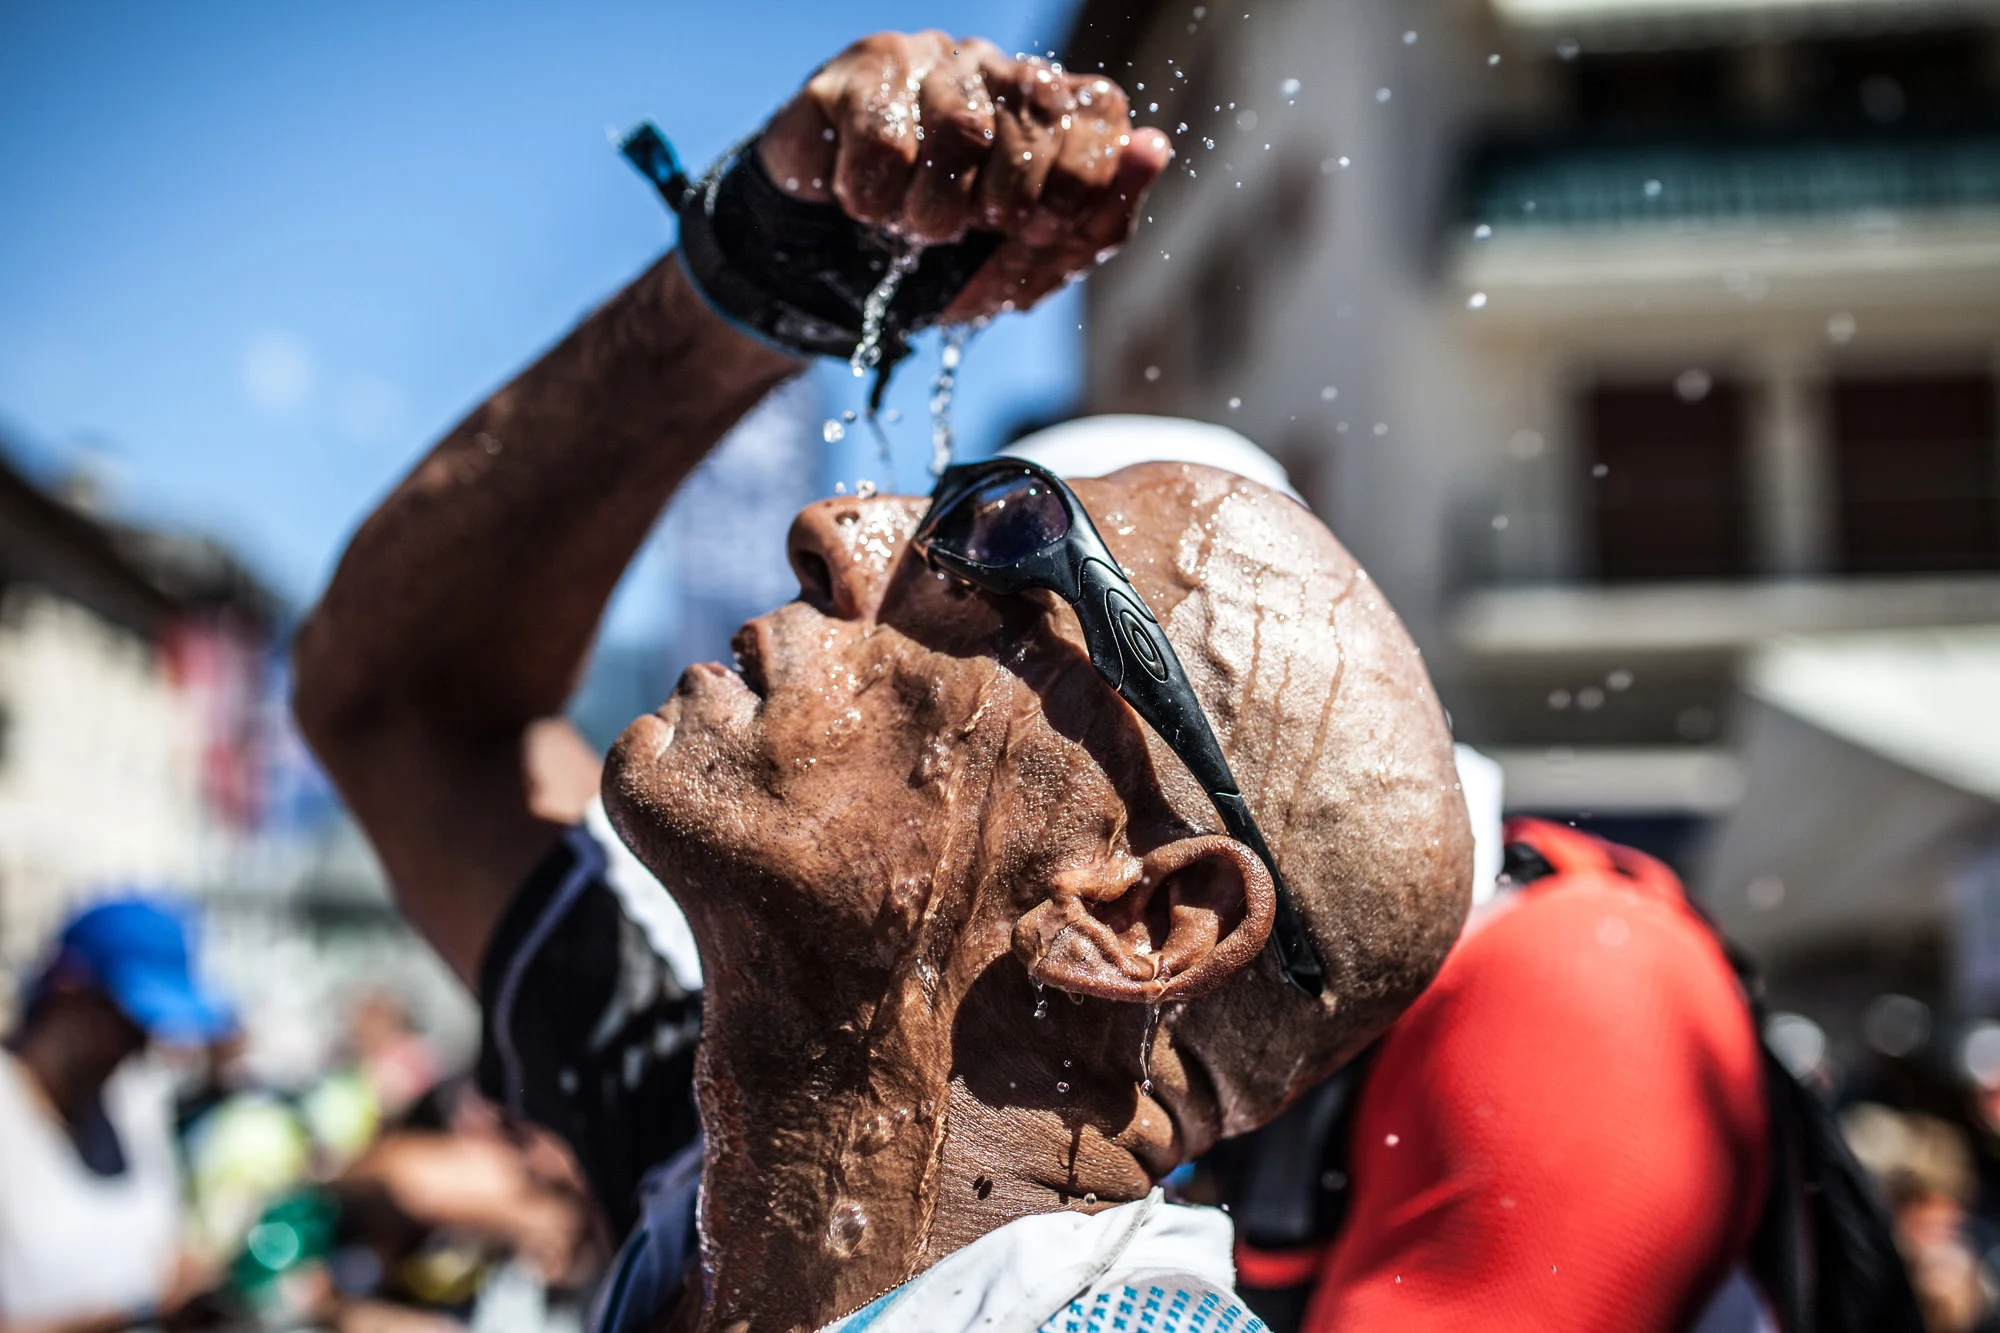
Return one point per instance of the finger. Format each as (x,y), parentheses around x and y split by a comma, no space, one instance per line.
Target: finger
(1109,217)
(874,117)
(1029,102)
(1021,273)
(1095,132)
(1017,276)
(955,129)
(797,149)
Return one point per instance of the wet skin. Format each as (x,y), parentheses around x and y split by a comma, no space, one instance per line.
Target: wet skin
(915,797)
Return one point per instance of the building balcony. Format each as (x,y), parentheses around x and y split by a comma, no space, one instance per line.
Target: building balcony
(1586,224)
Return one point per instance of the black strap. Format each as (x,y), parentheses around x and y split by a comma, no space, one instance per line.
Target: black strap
(795,273)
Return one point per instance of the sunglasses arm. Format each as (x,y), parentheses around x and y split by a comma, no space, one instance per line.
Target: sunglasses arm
(1132,653)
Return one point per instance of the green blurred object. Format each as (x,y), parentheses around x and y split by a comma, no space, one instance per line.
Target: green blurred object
(294,1233)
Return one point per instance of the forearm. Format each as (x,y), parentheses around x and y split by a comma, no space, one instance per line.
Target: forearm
(472,593)
(464,607)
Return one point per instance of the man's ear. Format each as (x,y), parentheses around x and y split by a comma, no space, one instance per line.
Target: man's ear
(1198,912)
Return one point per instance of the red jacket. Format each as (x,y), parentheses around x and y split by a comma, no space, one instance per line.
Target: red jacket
(1566,1132)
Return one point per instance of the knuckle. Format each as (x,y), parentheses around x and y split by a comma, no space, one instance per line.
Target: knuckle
(1100,96)
(964,127)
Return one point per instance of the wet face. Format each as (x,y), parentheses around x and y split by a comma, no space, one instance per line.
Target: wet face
(896,754)
(914,795)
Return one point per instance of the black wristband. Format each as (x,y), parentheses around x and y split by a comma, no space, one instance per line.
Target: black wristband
(794,273)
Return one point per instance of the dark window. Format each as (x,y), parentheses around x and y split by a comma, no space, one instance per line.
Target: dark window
(1915,474)
(1650,89)
(1664,470)
(1883,80)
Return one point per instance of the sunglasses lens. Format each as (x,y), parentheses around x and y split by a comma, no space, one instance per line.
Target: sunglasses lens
(1003,519)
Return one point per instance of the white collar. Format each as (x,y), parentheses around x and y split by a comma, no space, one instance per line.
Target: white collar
(1013,1279)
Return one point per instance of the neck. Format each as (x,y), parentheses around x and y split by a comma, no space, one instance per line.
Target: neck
(848,1150)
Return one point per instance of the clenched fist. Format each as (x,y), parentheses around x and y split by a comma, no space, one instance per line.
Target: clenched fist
(927,137)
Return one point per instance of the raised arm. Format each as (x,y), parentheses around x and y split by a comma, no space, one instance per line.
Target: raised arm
(432,674)
(451,635)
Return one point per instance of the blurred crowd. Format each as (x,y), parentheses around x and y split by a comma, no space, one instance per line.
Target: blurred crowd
(149,1177)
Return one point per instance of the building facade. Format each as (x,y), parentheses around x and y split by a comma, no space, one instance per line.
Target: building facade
(1621,339)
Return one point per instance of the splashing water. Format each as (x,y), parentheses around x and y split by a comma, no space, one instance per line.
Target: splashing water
(868,352)
(941,388)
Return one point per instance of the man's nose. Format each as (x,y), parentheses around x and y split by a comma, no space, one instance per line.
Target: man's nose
(846,549)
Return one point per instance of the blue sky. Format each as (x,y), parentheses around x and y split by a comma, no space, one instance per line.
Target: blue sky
(257,256)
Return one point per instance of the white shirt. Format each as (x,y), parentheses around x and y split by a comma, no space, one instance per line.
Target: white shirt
(72,1242)
(1152,1265)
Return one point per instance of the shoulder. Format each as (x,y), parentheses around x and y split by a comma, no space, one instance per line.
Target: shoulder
(1591,954)
(1580,1020)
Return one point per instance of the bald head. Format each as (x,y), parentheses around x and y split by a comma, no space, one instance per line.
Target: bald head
(916,799)
(1327,716)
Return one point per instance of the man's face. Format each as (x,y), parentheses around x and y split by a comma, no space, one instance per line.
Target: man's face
(892,740)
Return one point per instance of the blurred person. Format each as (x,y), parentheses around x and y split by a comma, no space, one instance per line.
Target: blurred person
(1925,1168)
(90,1198)
(1576,1127)
(394,1059)
(921,805)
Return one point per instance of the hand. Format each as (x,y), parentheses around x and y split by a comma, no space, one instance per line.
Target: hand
(927,136)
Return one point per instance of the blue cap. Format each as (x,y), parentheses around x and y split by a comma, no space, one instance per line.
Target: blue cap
(136,950)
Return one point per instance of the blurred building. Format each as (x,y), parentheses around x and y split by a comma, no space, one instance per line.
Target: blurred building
(145,741)
(1637,346)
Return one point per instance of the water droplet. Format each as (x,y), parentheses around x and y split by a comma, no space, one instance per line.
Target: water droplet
(864,489)
(1410,38)
(1382,94)
(1152,106)
(846,1227)
(1090,1200)
(833,432)
(1653,189)
(1381,428)
(1062,1087)
(1493,59)
(1041,1000)
(1152,374)
(1568,48)
(1691,386)
(1289,88)
(1476,301)
(1482,232)
(1618,681)
(893,415)
(1235,403)
(1392,1139)
(1328,394)
(1840,328)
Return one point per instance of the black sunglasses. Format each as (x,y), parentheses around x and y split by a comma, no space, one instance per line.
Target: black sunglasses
(1006,525)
